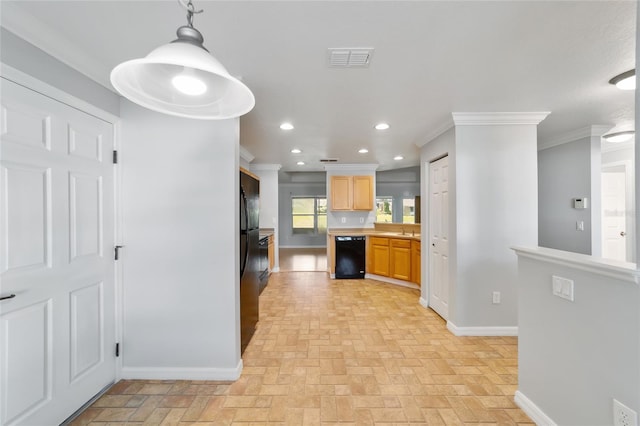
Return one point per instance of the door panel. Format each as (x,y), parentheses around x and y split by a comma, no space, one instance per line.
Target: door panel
(26,380)
(439,237)
(27,217)
(614,245)
(56,245)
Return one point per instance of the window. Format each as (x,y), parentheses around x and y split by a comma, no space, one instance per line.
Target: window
(384,209)
(408,210)
(309,215)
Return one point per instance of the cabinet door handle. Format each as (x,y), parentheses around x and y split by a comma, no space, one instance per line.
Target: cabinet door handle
(7,296)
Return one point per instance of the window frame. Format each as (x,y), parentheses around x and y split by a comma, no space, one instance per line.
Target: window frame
(309,231)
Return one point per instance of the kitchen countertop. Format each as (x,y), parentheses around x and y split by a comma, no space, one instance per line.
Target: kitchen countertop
(372,232)
(266,232)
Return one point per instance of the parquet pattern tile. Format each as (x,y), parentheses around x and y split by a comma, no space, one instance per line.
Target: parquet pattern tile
(347,352)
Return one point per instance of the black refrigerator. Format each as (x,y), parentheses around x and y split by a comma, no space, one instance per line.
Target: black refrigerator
(249,257)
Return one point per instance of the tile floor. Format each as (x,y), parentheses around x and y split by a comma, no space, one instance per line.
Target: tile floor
(348,352)
(303,259)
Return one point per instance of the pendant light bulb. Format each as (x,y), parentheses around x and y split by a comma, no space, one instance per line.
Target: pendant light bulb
(189,85)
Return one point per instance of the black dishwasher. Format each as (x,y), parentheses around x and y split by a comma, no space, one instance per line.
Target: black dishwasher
(350,256)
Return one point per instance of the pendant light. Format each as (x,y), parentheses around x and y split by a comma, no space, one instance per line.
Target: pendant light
(182,78)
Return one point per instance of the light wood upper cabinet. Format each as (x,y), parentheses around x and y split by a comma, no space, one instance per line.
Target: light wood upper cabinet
(351,192)
(362,192)
(341,192)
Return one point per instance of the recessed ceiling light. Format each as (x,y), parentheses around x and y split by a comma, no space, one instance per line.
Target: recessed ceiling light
(286,126)
(300,163)
(363,150)
(296,151)
(398,157)
(382,126)
(619,136)
(625,81)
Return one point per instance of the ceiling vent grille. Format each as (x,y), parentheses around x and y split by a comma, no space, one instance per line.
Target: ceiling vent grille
(328,160)
(350,58)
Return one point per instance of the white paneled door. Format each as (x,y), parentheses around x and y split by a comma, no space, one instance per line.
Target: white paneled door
(439,237)
(56,256)
(614,212)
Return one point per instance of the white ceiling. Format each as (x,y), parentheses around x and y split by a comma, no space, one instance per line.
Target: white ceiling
(431,58)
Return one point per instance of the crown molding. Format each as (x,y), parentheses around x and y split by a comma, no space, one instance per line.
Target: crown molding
(594,131)
(350,167)
(51,42)
(266,167)
(246,155)
(498,118)
(611,147)
(442,128)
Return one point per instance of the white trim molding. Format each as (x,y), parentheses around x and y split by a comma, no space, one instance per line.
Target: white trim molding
(246,155)
(594,131)
(168,373)
(393,281)
(532,410)
(481,331)
(498,118)
(424,303)
(623,271)
(441,129)
(265,167)
(350,167)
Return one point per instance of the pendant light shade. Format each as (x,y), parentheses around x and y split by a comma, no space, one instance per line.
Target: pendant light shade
(182,78)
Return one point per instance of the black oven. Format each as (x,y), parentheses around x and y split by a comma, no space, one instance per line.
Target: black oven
(263,255)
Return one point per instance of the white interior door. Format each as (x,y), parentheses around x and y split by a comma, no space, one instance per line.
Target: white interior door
(56,257)
(614,245)
(439,237)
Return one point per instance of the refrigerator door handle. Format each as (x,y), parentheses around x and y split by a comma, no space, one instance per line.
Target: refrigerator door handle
(245,231)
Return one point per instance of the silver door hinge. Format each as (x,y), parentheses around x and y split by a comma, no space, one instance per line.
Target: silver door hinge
(116,252)
(117,349)
(115,157)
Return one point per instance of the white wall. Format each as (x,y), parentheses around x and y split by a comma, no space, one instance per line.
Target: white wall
(497,207)
(575,357)
(268,174)
(27,58)
(564,173)
(180,266)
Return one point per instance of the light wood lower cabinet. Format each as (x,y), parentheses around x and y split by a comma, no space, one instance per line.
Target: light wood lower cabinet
(271,253)
(379,256)
(400,259)
(394,257)
(416,260)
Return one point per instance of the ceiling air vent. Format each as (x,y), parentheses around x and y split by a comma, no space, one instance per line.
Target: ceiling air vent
(350,58)
(328,160)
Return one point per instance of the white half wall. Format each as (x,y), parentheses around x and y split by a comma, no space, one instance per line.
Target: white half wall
(575,357)
(180,267)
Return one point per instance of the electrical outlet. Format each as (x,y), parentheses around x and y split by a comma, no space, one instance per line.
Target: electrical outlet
(496,297)
(362,220)
(623,415)
(343,220)
(580,225)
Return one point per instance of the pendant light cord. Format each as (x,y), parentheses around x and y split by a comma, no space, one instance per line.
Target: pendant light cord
(191,10)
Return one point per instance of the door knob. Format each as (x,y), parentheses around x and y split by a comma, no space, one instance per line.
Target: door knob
(622,233)
(433,244)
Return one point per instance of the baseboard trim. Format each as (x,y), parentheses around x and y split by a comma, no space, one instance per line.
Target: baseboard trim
(481,331)
(532,410)
(392,281)
(168,373)
(424,303)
